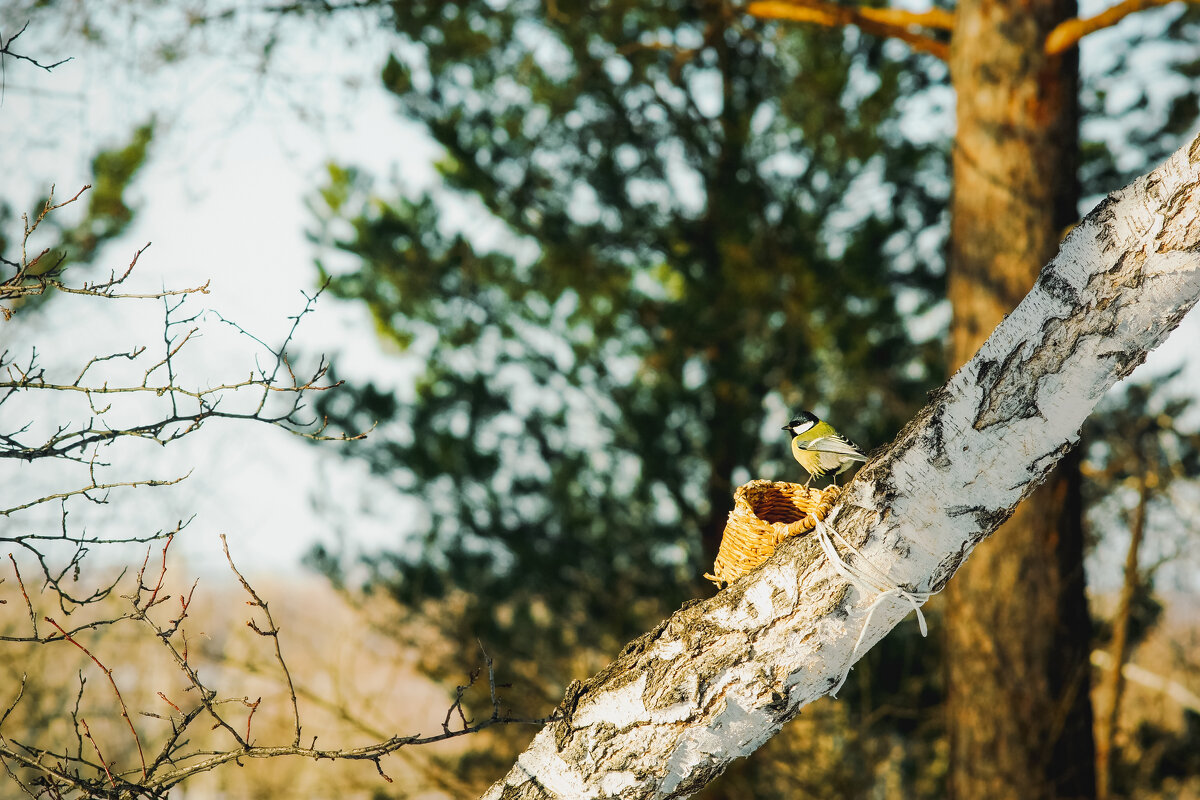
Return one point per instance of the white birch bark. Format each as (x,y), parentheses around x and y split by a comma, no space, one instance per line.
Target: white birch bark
(722,675)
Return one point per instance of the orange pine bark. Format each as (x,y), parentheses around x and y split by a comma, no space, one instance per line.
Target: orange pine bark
(1019,711)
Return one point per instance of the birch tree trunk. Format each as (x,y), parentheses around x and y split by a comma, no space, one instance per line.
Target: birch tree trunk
(722,675)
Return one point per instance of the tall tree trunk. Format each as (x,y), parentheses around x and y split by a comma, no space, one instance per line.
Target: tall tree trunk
(733,399)
(1019,711)
(1114,682)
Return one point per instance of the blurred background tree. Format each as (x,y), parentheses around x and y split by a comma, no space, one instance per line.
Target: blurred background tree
(1138,462)
(703,226)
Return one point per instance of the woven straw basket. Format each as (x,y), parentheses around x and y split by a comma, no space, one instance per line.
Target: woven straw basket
(764,514)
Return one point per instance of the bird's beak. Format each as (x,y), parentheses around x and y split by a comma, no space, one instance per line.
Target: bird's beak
(785,428)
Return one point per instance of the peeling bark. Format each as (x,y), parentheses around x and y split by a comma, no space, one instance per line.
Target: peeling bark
(722,675)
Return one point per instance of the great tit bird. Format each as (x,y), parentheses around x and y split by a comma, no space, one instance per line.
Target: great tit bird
(819,448)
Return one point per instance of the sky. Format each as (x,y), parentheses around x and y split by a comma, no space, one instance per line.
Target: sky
(222,199)
(239,152)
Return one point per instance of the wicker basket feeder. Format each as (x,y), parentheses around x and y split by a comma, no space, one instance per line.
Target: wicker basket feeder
(764,514)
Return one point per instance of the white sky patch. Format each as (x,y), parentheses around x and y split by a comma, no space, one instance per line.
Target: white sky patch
(222,198)
(706,91)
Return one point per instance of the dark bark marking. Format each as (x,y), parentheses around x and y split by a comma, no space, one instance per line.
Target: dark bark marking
(530,790)
(665,689)
(902,548)
(1150,189)
(1183,201)
(1041,467)
(1105,215)
(643,642)
(1171,320)
(779,705)
(697,780)
(986,519)
(944,570)
(935,440)
(566,710)
(1113,275)
(1057,287)
(1013,393)
(1010,395)
(984,373)
(1126,362)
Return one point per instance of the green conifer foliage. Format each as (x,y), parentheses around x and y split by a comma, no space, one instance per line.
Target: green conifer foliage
(697,215)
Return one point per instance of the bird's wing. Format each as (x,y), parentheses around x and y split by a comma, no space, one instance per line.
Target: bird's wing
(835,444)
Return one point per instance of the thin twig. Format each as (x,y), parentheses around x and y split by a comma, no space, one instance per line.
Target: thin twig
(25,594)
(17,699)
(1068,32)
(92,487)
(271,631)
(5,50)
(99,755)
(108,673)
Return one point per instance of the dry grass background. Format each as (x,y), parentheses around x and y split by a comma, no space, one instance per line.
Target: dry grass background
(356,685)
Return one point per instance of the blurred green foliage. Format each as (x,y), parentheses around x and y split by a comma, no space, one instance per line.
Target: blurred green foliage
(107,212)
(108,209)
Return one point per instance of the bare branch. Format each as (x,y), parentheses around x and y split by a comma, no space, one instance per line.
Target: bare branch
(174,761)
(32,278)
(272,631)
(888,22)
(92,487)
(1068,32)
(120,700)
(25,594)
(6,50)
(67,442)
(17,699)
(53,578)
(86,732)
(273,391)
(430,768)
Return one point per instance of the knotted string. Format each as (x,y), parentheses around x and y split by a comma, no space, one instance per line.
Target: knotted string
(867,578)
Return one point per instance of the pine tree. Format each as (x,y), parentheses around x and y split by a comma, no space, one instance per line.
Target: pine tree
(707,225)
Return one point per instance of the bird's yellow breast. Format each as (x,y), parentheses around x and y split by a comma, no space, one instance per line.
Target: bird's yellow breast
(815,462)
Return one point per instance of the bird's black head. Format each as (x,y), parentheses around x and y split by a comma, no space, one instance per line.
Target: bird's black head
(801,422)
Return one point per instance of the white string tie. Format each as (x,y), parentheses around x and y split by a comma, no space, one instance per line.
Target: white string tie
(867,578)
